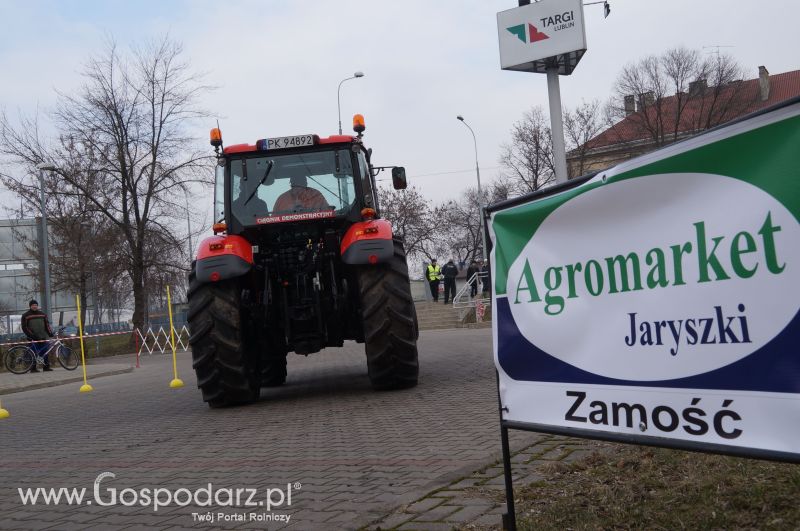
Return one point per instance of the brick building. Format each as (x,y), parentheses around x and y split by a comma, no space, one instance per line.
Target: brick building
(649,123)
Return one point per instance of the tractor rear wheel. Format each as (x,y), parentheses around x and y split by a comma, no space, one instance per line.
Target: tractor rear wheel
(390,324)
(227,372)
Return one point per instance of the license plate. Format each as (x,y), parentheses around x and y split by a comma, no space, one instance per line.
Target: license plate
(284,142)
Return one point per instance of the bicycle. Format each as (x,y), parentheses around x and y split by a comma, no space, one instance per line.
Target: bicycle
(21,358)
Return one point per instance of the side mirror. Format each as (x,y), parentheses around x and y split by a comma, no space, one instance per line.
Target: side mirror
(399,178)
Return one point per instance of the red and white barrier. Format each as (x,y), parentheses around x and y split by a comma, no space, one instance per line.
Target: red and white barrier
(158,340)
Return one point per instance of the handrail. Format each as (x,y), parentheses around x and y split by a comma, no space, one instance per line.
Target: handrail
(463,299)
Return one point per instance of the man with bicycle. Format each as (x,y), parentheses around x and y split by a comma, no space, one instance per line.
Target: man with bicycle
(37,328)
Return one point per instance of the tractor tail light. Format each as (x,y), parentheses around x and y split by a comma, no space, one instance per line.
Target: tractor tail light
(219,227)
(368,213)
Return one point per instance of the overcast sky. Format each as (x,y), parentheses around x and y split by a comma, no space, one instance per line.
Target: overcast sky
(277,64)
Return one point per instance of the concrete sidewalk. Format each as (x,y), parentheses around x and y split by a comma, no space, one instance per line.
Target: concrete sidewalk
(476,501)
(17,383)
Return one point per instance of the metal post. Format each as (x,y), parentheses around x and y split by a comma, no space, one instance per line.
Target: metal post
(480,194)
(188,226)
(510,516)
(45,249)
(96,316)
(557,124)
(338,96)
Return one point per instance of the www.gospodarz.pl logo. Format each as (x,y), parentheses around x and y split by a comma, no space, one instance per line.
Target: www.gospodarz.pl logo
(157,497)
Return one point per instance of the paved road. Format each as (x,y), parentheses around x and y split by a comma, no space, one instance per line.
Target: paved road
(356,454)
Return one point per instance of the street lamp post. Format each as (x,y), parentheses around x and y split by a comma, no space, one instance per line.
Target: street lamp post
(188,225)
(338,96)
(478,174)
(86,228)
(45,245)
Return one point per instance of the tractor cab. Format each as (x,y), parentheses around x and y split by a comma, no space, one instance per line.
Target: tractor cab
(293,179)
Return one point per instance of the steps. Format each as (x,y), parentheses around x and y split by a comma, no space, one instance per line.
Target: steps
(437,316)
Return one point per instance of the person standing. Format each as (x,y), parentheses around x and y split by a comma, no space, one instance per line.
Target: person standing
(434,274)
(449,271)
(486,279)
(473,282)
(36,327)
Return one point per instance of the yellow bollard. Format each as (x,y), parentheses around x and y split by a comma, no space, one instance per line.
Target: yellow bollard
(85,388)
(4,414)
(176,382)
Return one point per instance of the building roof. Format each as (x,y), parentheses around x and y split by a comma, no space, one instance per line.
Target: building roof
(732,101)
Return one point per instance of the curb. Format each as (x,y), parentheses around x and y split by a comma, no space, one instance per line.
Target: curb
(56,383)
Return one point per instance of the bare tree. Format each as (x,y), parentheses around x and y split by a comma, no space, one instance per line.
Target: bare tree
(128,125)
(527,160)
(82,244)
(461,227)
(723,94)
(675,92)
(411,217)
(581,125)
(460,233)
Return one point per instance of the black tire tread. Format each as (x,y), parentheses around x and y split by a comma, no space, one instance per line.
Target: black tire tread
(390,324)
(226,372)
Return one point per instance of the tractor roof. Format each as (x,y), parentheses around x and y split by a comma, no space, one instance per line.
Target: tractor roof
(247,148)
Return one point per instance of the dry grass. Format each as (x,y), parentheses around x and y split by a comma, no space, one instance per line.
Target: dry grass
(104,346)
(630,487)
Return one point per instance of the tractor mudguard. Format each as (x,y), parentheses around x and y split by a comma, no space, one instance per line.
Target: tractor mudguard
(368,242)
(223,257)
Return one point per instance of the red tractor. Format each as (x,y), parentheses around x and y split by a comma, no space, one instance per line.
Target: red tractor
(300,260)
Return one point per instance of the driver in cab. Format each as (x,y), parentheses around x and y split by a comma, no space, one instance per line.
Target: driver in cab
(299,197)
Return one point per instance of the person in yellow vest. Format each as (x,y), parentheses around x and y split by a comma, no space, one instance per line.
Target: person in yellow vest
(433,274)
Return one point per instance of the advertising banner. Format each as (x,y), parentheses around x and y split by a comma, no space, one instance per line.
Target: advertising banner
(658,301)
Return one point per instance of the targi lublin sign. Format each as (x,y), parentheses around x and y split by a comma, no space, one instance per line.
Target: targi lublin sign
(658,301)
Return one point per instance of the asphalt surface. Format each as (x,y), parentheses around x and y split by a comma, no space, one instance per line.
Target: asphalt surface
(350,455)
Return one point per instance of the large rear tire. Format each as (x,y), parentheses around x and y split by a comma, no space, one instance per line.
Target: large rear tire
(227,372)
(389,319)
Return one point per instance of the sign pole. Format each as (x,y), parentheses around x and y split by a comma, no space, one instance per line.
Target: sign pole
(176,382)
(557,124)
(85,388)
(510,517)
(547,36)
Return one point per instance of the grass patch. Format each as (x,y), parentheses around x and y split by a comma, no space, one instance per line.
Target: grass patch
(630,487)
(106,346)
